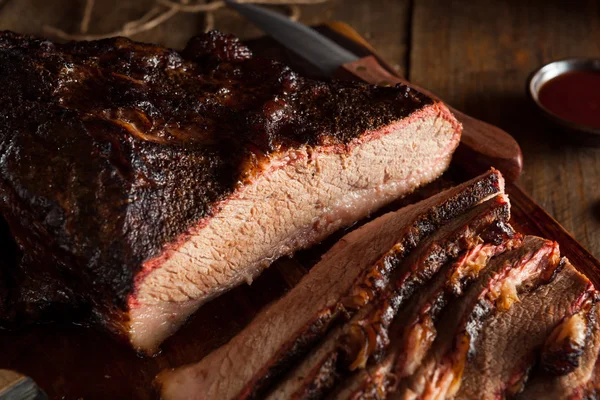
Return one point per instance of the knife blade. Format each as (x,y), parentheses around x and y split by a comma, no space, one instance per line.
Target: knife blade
(322,52)
(482,145)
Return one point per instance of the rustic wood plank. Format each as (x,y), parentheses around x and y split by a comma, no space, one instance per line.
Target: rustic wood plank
(477,56)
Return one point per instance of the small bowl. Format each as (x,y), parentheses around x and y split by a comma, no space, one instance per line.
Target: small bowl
(551,70)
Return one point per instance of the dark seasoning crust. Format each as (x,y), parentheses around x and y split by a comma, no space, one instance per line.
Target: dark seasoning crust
(107,135)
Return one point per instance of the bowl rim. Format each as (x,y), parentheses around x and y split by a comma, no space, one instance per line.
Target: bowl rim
(568,65)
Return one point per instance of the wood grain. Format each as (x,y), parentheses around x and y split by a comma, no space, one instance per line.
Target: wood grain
(477,56)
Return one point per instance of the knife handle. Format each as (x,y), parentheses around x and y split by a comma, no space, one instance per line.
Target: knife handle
(482,145)
(16,386)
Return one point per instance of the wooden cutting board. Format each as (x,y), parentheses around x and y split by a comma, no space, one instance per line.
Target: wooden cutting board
(73,362)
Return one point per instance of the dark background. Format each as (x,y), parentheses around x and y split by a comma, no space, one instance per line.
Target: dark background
(476,55)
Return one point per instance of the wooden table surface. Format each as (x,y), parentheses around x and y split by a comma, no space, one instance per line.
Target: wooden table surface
(474,55)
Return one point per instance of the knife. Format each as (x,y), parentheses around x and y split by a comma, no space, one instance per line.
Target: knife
(14,386)
(482,145)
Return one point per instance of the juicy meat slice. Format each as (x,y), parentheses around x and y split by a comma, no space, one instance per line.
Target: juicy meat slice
(413,333)
(359,263)
(413,329)
(352,344)
(371,383)
(489,219)
(142,181)
(591,390)
(506,347)
(497,289)
(562,351)
(573,384)
(316,375)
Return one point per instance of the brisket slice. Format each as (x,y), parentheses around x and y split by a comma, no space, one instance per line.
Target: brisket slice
(572,385)
(591,390)
(371,383)
(488,220)
(317,374)
(413,334)
(359,263)
(564,347)
(366,332)
(413,329)
(507,345)
(140,182)
(498,287)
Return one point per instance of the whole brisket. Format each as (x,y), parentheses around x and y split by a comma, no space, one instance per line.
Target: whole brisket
(140,182)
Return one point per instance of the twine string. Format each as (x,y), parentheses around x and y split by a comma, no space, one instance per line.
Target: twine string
(162,11)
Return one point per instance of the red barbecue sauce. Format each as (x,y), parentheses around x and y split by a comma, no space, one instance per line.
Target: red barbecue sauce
(574,96)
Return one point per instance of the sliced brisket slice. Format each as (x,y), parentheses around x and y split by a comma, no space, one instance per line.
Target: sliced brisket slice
(350,346)
(413,329)
(140,182)
(562,351)
(591,390)
(371,331)
(359,263)
(316,375)
(507,345)
(581,329)
(414,332)
(371,383)
(523,268)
